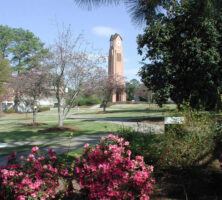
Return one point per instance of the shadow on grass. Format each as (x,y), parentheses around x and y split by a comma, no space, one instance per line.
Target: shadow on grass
(128,111)
(122,119)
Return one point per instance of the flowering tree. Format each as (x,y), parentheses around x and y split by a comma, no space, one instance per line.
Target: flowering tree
(72,68)
(104,85)
(30,86)
(35,86)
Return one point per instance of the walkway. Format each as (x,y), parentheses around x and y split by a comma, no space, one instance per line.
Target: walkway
(65,144)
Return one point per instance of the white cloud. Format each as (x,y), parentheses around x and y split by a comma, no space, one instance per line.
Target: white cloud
(103,30)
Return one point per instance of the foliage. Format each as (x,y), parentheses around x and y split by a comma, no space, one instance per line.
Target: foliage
(106,85)
(181,146)
(144,94)
(22,48)
(88,100)
(43,108)
(4,73)
(10,110)
(108,172)
(131,88)
(140,10)
(145,144)
(32,85)
(184,48)
(37,177)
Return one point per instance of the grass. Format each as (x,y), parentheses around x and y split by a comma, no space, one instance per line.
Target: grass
(127,110)
(12,127)
(17,132)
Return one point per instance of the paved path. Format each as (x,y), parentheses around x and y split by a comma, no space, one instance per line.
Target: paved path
(65,144)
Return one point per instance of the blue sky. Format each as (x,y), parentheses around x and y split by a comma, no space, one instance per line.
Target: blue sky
(41,17)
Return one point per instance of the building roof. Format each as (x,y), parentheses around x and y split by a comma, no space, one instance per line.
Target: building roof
(113,37)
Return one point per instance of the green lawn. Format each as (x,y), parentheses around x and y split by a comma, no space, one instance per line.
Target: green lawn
(12,127)
(127,110)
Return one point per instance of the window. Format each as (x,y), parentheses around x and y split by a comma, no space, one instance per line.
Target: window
(118,57)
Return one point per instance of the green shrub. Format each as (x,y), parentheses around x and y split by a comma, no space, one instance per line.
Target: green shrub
(88,100)
(145,144)
(43,108)
(189,144)
(10,110)
(182,146)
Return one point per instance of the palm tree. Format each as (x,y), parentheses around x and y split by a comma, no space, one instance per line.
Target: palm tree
(138,9)
(144,10)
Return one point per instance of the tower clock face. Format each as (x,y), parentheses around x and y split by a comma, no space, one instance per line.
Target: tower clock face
(118,43)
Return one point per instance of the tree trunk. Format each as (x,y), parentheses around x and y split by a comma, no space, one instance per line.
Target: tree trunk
(34,109)
(16,101)
(60,122)
(34,115)
(104,106)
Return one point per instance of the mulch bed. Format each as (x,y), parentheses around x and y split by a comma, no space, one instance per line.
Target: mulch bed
(59,129)
(103,112)
(149,120)
(35,124)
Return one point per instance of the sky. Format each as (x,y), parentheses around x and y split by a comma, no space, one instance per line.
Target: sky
(42,17)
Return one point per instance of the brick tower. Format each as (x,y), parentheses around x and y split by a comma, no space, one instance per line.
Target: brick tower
(116,63)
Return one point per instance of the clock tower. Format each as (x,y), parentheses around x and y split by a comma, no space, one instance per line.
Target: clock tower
(116,64)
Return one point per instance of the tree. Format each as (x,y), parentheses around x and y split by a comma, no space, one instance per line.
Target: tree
(35,87)
(72,69)
(185,54)
(24,50)
(140,10)
(4,73)
(6,39)
(105,85)
(144,94)
(30,87)
(131,88)
(4,76)
(21,47)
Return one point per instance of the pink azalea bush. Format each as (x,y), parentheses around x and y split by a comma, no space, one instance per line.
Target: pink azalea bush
(35,178)
(107,172)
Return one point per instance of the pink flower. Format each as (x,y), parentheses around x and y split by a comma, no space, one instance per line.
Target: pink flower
(34,194)
(86,145)
(21,197)
(34,149)
(107,172)
(129,153)
(21,157)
